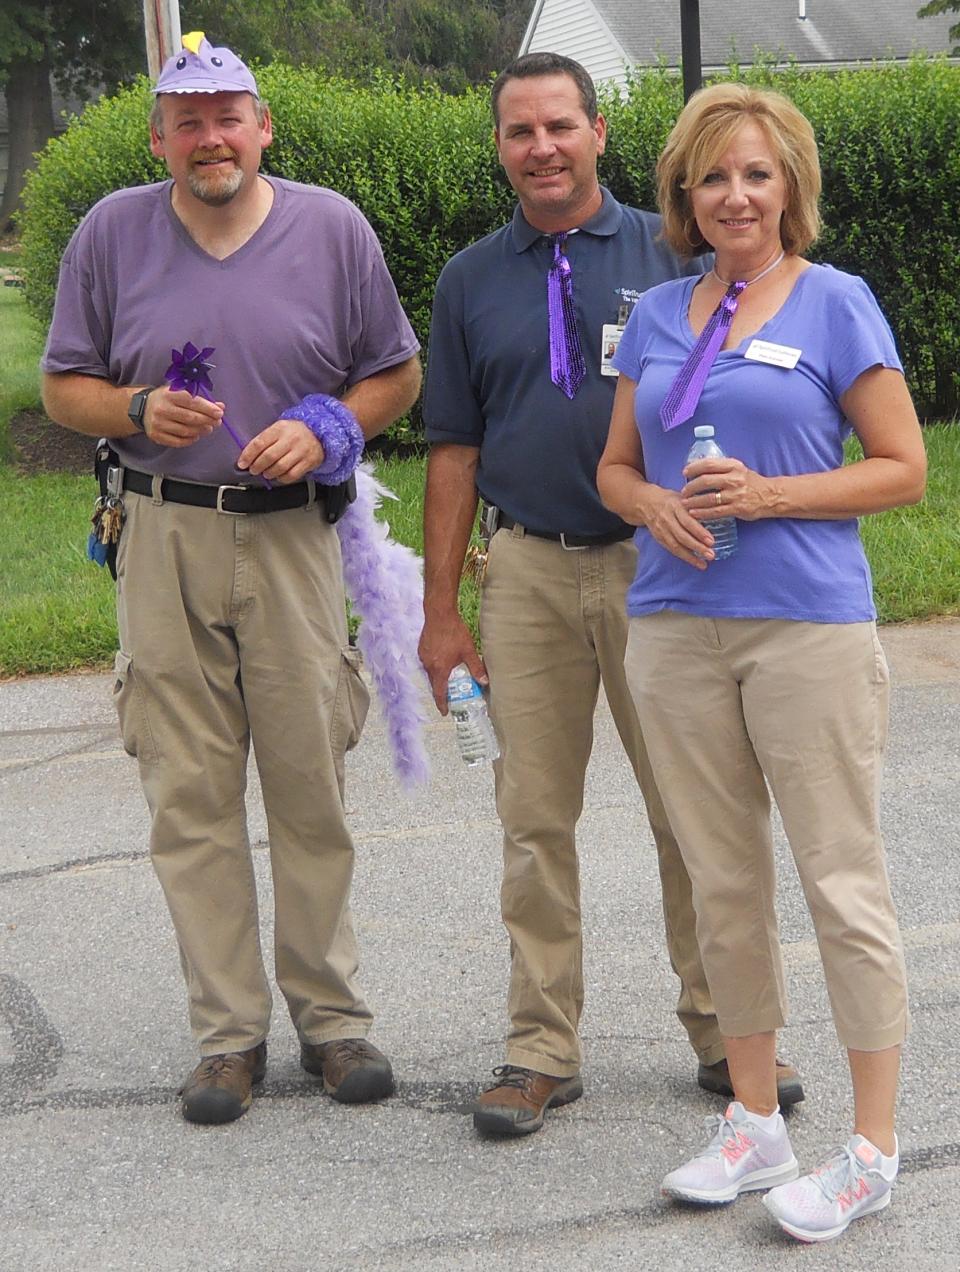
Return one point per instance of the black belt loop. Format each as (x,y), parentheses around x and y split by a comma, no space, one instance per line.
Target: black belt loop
(570,542)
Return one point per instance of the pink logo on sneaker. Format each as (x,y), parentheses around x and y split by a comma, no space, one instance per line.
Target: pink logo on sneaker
(735,1149)
(848,1196)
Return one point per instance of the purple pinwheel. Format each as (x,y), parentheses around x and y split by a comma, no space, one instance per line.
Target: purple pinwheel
(190,369)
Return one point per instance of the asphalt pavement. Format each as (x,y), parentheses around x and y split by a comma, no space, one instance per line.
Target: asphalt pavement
(99,1173)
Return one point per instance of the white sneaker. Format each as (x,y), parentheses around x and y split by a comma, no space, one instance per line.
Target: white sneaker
(740,1157)
(846,1186)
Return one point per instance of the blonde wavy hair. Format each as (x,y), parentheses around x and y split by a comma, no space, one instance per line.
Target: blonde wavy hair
(704,130)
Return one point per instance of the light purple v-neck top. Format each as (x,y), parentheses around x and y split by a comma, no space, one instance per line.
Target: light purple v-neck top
(306,305)
(778,422)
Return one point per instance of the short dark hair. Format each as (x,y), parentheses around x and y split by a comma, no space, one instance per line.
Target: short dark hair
(532,64)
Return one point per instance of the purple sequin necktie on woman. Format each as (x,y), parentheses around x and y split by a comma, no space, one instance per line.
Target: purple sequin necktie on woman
(684,394)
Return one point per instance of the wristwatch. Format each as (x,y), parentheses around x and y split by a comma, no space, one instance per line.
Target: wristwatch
(138,405)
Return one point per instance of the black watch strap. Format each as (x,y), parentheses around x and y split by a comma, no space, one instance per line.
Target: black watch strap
(138,406)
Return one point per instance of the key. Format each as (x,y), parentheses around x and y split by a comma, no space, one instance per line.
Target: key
(475,563)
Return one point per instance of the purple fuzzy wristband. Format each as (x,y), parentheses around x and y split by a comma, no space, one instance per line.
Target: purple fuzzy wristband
(336,429)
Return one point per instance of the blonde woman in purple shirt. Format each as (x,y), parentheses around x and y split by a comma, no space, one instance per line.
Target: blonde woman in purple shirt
(764,668)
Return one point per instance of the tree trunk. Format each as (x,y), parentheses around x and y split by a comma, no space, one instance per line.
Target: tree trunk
(30,114)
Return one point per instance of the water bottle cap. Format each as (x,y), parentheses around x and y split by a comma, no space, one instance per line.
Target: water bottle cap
(703,430)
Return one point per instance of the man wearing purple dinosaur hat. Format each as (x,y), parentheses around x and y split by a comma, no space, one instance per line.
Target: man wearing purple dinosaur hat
(289,349)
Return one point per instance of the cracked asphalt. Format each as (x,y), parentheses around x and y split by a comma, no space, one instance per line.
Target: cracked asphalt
(98,1172)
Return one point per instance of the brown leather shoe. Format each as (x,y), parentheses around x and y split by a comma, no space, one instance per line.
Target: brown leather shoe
(220,1087)
(353,1070)
(518,1100)
(716,1078)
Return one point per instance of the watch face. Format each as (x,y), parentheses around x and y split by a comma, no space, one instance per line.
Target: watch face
(138,404)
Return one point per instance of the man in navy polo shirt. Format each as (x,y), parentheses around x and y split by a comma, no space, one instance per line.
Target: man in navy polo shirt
(517,404)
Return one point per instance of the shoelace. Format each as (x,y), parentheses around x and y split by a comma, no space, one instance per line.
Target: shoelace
(220,1064)
(509,1075)
(840,1171)
(349,1049)
(721,1131)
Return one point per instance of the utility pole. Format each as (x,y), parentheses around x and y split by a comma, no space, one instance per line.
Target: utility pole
(161,25)
(690,47)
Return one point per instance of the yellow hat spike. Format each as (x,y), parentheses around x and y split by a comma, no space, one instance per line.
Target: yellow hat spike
(192,41)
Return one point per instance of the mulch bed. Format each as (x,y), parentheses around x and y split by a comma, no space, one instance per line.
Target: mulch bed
(40,446)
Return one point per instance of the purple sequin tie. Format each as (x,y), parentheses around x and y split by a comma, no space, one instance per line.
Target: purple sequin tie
(684,394)
(567,367)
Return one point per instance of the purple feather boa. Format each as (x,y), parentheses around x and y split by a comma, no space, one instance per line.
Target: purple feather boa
(335,427)
(385,586)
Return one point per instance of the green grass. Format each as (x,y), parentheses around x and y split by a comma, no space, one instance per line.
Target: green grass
(21,344)
(914,553)
(56,609)
(405,518)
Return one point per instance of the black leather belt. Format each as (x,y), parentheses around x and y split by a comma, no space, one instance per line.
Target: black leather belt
(569,540)
(236,499)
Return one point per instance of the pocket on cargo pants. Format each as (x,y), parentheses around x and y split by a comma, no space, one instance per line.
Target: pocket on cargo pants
(128,698)
(351,703)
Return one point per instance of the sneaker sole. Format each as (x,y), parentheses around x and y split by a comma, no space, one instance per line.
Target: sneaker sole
(499,1123)
(758,1181)
(805,1235)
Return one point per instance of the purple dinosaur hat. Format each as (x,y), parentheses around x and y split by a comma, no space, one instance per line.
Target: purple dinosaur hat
(200,68)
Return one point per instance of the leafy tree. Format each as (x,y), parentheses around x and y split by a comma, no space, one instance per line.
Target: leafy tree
(453,45)
(935,7)
(85,43)
(332,35)
(80,43)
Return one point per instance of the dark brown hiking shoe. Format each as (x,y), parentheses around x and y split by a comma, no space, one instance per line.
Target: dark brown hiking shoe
(716,1078)
(518,1100)
(353,1070)
(219,1089)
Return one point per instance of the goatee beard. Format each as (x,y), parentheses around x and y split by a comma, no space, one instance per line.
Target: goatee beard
(215,192)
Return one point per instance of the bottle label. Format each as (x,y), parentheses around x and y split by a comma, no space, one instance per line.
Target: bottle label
(463,691)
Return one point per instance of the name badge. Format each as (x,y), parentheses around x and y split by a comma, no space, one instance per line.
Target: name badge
(776,355)
(609,342)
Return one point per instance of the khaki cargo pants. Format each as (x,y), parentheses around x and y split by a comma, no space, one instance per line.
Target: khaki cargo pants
(232,628)
(554,627)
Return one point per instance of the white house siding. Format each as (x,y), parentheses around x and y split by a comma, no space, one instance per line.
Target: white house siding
(575,28)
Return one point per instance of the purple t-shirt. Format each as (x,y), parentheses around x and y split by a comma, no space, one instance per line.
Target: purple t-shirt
(306,305)
(778,422)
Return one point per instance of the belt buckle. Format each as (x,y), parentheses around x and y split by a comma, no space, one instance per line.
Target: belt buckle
(572,547)
(228,512)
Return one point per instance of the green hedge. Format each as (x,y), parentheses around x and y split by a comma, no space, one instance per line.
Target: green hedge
(422,167)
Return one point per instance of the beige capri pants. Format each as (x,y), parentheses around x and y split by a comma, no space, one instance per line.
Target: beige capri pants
(725,704)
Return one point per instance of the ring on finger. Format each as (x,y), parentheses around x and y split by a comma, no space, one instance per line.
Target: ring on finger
(719,498)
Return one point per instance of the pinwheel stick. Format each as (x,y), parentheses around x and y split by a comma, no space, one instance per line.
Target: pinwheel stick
(190,369)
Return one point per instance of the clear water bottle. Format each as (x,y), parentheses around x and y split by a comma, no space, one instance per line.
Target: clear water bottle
(475,736)
(724,529)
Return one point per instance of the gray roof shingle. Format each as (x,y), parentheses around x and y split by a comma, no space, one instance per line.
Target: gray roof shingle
(834,30)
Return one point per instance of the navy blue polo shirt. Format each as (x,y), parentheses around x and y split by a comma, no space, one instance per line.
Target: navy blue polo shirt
(488,376)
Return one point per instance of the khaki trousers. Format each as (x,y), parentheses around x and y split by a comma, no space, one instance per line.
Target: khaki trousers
(726,703)
(554,626)
(232,627)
